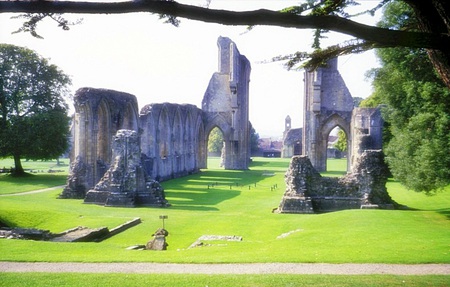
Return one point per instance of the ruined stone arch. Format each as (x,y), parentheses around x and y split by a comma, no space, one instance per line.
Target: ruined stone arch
(177,142)
(201,146)
(103,139)
(188,141)
(163,141)
(131,117)
(220,122)
(332,122)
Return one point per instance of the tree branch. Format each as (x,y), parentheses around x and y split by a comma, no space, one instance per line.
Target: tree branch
(382,37)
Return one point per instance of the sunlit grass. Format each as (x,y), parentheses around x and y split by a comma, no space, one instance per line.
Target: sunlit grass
(38,176)
(173,280)
(224,202)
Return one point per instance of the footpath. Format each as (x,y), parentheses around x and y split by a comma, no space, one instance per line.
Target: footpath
(250,268)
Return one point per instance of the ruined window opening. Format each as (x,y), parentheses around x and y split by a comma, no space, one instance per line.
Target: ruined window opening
(216,145)
(337,148)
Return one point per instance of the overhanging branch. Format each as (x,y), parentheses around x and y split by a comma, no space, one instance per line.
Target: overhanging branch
(383,37)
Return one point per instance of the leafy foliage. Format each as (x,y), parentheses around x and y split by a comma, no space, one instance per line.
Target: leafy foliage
(341,143)
(417,110)
(33,19)
(33,113)
(215,141)
(254,138)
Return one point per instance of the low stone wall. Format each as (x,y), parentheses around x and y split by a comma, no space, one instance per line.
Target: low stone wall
(308,192)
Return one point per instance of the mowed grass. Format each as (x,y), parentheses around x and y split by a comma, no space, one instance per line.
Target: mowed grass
(249,280)
(38,175)
(219,202)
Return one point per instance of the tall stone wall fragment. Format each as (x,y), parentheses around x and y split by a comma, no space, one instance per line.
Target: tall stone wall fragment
(226,104)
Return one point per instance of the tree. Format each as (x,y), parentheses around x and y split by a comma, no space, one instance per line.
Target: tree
(33,114)
(254,138)
(417,110)
(341,144)
(432,31)
(215,141)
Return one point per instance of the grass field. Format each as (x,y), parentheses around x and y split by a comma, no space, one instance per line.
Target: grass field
(39,176)
(240,203)
(268,280)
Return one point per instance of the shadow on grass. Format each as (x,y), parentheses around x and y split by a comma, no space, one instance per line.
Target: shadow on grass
(200,198)
(445,212)
(207,189)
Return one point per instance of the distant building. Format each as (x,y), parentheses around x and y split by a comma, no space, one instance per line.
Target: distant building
(292,139)
(269,148)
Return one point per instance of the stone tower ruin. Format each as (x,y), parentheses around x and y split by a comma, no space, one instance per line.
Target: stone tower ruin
(226,102)
(329,104)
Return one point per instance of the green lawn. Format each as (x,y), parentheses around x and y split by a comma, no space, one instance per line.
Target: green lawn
(165,280)
(39,176)
(239,203)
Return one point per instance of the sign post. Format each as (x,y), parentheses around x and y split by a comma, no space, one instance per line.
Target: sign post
(163,217)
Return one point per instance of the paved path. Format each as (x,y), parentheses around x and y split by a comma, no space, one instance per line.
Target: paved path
(251,268)
(33,191)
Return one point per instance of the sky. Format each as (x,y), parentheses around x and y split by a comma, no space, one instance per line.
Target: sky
(139,54)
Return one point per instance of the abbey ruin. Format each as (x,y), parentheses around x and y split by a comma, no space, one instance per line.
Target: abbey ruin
(121,153)
(172,137)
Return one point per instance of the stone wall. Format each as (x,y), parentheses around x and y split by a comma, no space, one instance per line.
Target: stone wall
(172,140)
(308,192)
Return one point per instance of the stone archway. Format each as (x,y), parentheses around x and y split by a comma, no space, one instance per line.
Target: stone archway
(333,121)
(327,104)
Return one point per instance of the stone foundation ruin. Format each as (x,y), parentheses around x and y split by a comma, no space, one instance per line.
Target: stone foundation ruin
(308,192)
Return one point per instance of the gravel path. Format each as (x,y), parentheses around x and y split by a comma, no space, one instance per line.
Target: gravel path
(33,191)
(251,268)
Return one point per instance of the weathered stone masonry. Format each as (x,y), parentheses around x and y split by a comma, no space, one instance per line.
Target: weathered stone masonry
(327,104)
(308,192)
(172,138)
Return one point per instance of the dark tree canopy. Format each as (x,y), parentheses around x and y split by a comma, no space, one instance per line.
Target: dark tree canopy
(33,113)
(254,139)
(432,31)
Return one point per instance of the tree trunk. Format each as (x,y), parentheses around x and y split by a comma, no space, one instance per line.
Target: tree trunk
(435,18)
(18,169)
